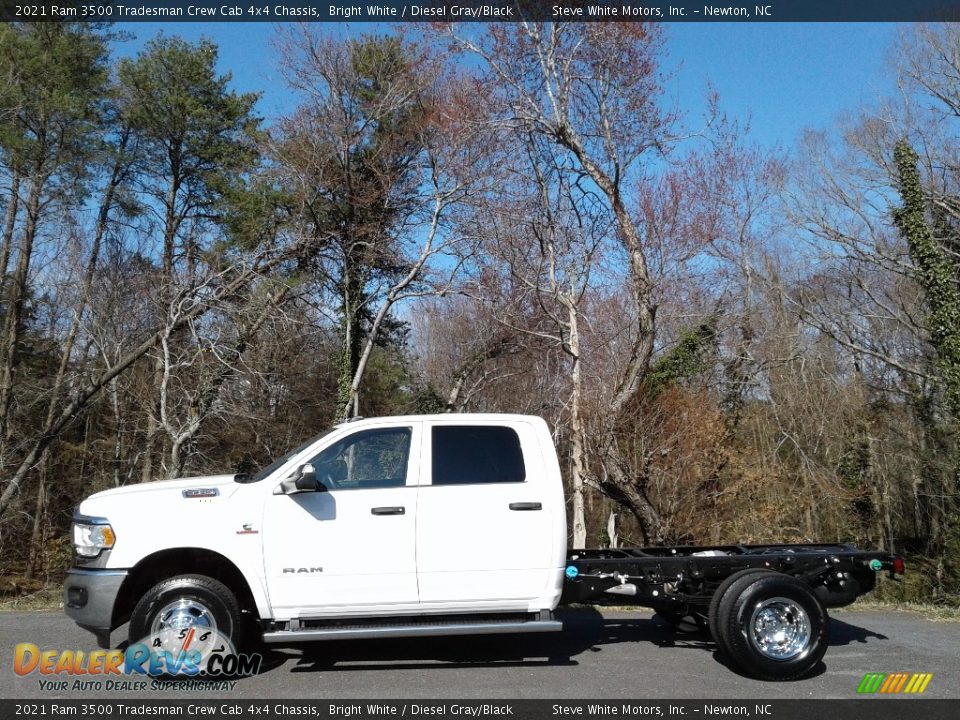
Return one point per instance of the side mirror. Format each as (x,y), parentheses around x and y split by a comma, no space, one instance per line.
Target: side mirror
(304,480)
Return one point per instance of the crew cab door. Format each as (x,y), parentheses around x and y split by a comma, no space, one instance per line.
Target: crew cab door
(351,546)
(485,523)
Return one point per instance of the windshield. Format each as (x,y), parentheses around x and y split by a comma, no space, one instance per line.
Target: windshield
(264,472)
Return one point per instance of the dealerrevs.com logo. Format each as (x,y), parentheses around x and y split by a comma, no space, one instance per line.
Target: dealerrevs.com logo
(195,654)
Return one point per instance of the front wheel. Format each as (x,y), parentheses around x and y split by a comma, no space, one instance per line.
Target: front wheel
(187,612)
(775,628)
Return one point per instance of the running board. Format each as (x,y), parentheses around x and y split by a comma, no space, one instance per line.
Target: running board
(400,631)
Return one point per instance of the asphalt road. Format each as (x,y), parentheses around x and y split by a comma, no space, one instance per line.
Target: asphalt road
(617,655)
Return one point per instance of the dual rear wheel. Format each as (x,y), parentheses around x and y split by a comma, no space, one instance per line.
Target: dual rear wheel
(770,625)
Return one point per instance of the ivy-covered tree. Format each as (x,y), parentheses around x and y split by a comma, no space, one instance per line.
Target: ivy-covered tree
(935,272)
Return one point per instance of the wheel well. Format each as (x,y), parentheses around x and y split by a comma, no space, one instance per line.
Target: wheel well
(180,561)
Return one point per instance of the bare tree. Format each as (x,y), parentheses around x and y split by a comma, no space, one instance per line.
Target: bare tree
(593,92)
(368,157)
(547,238)
(196,138)
(861,284)
(189,305)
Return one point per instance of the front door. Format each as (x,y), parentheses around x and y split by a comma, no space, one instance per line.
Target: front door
(351,547)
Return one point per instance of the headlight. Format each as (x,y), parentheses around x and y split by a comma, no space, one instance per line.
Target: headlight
(89,539)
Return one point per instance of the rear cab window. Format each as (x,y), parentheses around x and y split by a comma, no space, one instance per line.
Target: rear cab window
(476,454)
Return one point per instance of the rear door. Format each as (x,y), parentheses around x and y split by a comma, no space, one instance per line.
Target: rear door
(484,526)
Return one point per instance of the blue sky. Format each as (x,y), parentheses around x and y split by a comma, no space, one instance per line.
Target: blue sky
(784,77)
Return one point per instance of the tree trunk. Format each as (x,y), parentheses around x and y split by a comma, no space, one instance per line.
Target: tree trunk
(631,493)
(18,294)
(35,535)
(103,218)
(178,459)
(9,224)
(201,408)
(117,432)
(612,535)
(348,392)
(170,228)
(616,484)
(578,437)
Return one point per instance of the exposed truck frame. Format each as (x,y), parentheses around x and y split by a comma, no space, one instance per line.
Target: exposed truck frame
(683,580)
(760,603)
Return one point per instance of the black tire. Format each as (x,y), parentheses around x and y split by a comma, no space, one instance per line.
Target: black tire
(784,599)
(205,591)
(718,596)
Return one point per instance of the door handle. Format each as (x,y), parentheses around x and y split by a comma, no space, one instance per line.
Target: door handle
(526,506)
(395,510)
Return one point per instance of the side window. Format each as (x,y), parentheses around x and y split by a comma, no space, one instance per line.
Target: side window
(367,459)
(465,454)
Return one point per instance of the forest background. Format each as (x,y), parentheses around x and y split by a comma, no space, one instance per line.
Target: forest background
(731,342)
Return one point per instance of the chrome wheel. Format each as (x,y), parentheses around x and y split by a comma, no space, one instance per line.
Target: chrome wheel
(779,628)
(182,614)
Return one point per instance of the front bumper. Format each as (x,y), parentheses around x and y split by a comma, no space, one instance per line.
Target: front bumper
(89,597)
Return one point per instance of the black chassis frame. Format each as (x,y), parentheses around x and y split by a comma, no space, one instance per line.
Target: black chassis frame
(681,581)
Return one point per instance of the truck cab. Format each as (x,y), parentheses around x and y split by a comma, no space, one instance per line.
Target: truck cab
(388,520)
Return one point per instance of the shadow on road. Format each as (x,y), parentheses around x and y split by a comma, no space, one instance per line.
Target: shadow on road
(585,630)
(843,633)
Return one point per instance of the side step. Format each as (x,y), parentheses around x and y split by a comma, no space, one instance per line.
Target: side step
(357,632)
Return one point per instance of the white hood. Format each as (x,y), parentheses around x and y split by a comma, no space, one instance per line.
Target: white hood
(164,491)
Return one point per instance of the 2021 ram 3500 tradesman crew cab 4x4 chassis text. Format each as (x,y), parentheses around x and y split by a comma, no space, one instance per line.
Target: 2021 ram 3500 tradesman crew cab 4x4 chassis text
(426,525)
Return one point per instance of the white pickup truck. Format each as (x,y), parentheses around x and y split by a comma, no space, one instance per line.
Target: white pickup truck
(425,525)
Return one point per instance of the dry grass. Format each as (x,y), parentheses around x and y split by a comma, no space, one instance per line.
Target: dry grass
(937,613)
(45,599)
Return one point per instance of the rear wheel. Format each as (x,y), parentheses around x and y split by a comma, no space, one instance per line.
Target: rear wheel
(721,592)
(774,627)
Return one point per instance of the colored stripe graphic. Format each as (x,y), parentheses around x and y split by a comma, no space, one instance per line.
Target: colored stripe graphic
(894,683)
(898,683)
(871,682)
(903,681)
(888,683)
